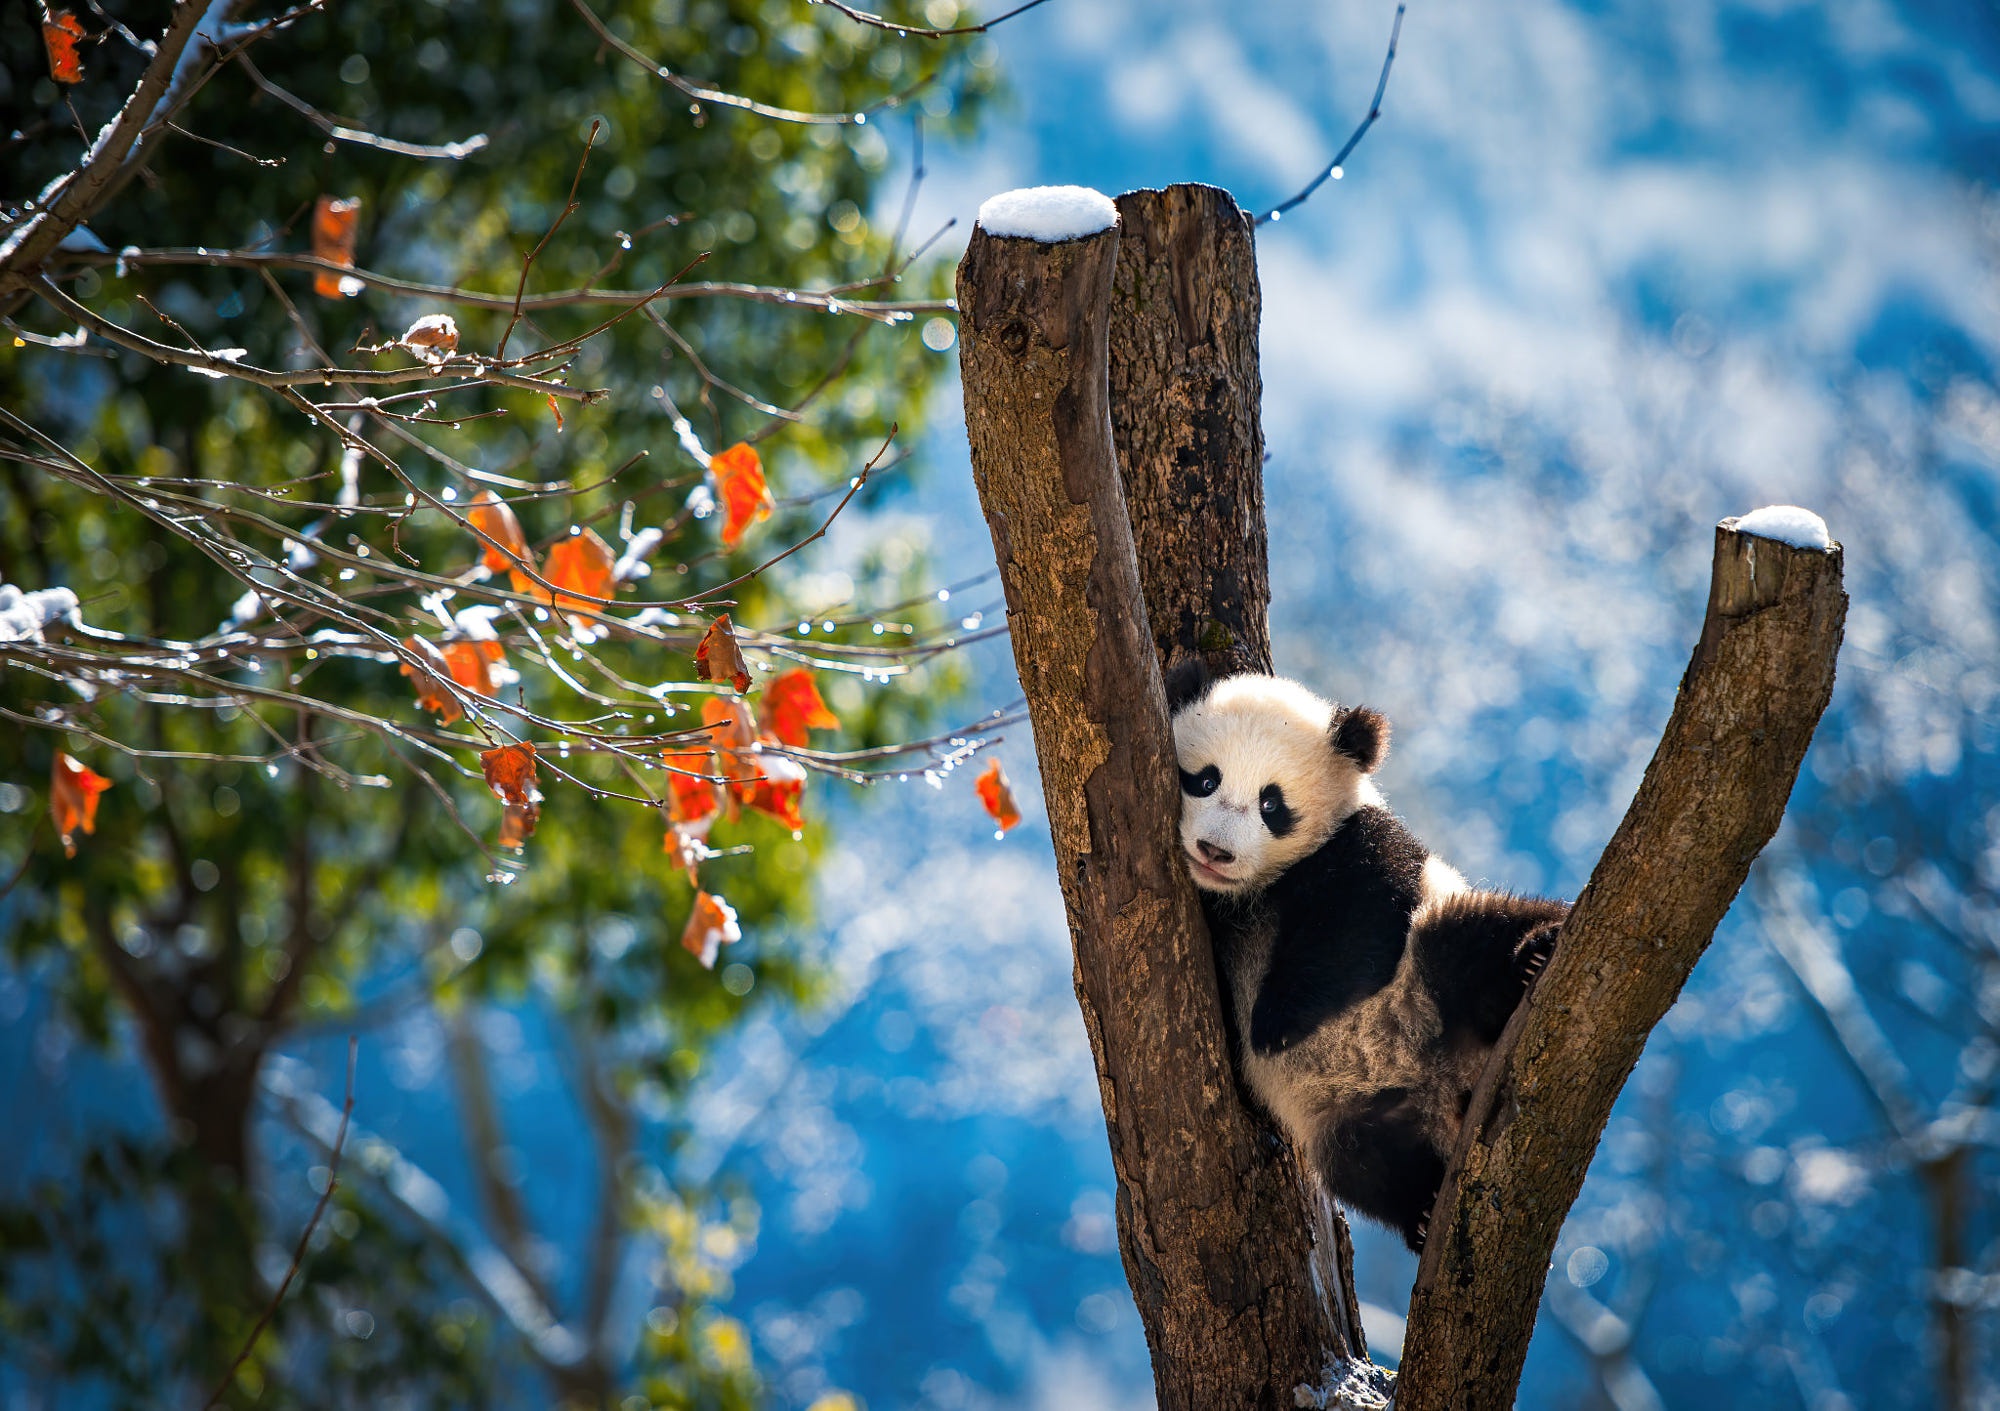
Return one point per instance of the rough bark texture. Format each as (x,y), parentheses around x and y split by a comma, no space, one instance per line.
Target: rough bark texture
(1232,1319)
(1753,693)
(1185,400)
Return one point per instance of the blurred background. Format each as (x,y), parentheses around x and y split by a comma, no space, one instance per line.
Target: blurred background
(1603,274)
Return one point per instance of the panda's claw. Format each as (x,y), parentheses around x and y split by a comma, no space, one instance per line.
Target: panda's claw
(1532,956)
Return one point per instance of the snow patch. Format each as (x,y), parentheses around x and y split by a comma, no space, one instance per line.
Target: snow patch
(1348,1386)
(1788,524)
(1049,214)
(23,615)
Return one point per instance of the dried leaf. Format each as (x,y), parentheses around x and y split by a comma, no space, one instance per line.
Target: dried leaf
(688,849)
(997,795)
(718,658)
(792,707)
(511,773)
(692,797)
(333,229)
(432,693)
(739,484)
(711,925)
(508,552)
(583,564)
(434,337)
(517,824)
(60,33)
(475,665)
(73,790)
(777,792)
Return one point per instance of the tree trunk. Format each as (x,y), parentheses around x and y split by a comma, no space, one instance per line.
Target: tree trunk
(1186,394)
(1108,578)
(1230,1313)
(1186,400)
(1761,676)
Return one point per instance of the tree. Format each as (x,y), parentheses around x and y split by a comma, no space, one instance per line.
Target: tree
(1221,1290)
(257,447)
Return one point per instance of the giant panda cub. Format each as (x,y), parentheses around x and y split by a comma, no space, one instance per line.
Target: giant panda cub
(1368,980)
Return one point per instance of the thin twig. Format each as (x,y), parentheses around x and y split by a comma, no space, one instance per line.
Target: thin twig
(449,151)
(852,490)
(1333,168)
(911,31)
(299,1254)
(708,95)
(225,147)
(568,210)
(822,300)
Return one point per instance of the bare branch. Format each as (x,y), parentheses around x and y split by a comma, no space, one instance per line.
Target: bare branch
(305,1237)
(910,31)
(451,151)
(880,311)
(1760,677)
(1334,169)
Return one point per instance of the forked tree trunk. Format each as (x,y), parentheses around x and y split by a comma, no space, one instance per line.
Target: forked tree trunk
(1209,1224)
(1106,578)
(1761,675)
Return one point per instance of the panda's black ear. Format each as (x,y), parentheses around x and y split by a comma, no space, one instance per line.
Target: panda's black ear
(1186,683)
(1362,735)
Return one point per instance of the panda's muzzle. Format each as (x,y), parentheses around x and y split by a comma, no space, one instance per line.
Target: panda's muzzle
(1210,853)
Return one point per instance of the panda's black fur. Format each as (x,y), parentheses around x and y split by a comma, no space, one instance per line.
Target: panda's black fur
(1367,982)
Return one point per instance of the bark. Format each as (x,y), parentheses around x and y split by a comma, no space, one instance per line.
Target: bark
(1231,1315)
(38,236)
(1760,677)
(1185,398)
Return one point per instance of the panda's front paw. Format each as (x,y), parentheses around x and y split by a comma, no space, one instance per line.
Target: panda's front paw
(1531,957)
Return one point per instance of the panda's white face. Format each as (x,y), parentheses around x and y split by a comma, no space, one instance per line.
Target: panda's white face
(1263,782)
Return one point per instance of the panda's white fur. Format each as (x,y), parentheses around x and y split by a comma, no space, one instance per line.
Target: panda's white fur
(1257,729)
(1368,980)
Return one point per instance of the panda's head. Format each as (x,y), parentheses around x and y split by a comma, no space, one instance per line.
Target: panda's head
(1268,772)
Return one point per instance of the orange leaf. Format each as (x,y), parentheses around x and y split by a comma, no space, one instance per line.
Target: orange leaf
(792,706)
(997,795)
(517,824)
(718,658)
(434,337)
(686,847)
(710,926)
(60,32)
(432,693)
(739,482)
(778,797)
(73,790)
(333,229)
(556,408)
(582,563)
(471,665)
(692,797)
(491,516)
(511,773)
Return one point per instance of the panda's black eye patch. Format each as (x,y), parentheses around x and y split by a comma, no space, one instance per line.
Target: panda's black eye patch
(1202,783)
(1277,815)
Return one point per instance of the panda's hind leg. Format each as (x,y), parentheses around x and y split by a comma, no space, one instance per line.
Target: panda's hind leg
(1380,1161)
(1477,952)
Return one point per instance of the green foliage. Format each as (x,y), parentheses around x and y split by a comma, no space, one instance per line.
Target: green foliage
(256,868)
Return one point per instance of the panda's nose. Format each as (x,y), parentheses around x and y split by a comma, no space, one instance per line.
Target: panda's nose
(1211,853)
